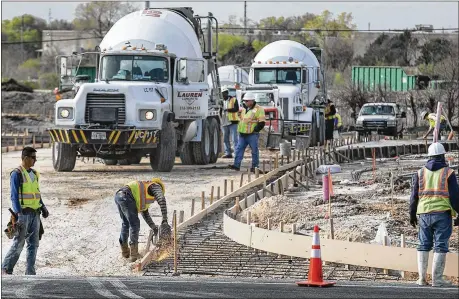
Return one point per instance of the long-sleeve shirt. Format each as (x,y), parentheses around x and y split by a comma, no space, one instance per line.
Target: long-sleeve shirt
(15,186)
(453,188)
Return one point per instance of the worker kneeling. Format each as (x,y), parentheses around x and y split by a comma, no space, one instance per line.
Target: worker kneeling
(435,198)
(135,198)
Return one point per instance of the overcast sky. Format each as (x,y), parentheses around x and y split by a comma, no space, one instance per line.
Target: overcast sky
(387,15)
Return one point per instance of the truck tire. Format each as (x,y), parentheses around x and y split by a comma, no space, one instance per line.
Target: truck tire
(216,143)
(135,159)
(162,158)
(124,162)
(64,157)
(186,155)
(201,150)
(110,161)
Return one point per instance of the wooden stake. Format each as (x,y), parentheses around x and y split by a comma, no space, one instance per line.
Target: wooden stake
(225,187)
(33,140)
(181,216)
(211,194)
(257,173)
(264,167)
(242,180)
(218,192)
(232,186)
(249,179)
(203,204)
(276,161)
(174,220)
(402,244)
(192,206)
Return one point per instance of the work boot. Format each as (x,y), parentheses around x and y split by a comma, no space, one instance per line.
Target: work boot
(125,250)
(423,260)
(135,252)
(227,156)
(437,270)
(234,167)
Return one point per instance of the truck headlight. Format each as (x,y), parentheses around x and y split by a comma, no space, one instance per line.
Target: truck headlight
(65,113)
(147,114)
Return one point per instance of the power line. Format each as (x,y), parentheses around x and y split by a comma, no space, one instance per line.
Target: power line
(262,29)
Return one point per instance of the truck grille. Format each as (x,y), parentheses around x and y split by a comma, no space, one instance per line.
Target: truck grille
(375,124)
(99,100)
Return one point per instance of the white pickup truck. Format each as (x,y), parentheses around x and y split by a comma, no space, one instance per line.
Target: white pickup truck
(384,118)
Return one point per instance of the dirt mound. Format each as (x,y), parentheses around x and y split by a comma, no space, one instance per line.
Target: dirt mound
(75,201)
(13,85)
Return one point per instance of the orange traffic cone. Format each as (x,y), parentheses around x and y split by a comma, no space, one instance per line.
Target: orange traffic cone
(315,276)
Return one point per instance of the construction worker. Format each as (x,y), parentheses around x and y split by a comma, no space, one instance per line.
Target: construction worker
(435,198)
(432,119)
(27,205)
(230,120)
(251,123)
(329,112)
(135,198)
(338,121)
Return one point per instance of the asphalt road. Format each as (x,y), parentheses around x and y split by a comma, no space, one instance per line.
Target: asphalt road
(177,287)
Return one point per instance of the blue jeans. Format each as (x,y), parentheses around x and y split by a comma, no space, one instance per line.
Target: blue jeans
(435,229)
(228,131)
(131,222)
(244,140)
(30,233)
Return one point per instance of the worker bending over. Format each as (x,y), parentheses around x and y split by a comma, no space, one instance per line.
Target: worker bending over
(432,119)
(251,123)
(135,198)
(435,198)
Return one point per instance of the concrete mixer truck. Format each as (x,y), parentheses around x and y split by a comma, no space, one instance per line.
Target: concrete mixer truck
(151,97)
(288,82)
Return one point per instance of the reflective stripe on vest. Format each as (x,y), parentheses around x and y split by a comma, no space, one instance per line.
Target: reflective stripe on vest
(327,110)
(31,196)
(432,118)
(338,120)
(250,119)
(433,191)
(139,190)
(232,116)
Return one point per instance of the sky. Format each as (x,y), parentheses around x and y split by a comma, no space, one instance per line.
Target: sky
(387,15)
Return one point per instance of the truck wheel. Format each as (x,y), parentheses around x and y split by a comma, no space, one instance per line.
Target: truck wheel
(124,162)
(162,158)
(216,141)
(110,161)
(135,159)
(64,156)
(201,150)
(186,155)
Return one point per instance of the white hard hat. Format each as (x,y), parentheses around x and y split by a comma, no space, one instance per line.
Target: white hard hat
(224,88)
(423,114)
(436,149)
(249,96)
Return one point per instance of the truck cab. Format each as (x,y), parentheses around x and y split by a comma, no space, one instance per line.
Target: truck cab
(383,118)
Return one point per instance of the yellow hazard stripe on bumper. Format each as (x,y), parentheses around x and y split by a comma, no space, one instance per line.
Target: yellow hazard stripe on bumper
(83,136)
(116,137)
(75,136)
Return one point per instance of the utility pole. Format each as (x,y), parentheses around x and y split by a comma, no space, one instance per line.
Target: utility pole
(50,29)
(147,4)
(22,38)
(245,17)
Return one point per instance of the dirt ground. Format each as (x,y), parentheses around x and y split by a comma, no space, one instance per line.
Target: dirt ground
(81,233)
(358,207)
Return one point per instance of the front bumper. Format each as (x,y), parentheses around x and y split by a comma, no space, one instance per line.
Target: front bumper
(104,136)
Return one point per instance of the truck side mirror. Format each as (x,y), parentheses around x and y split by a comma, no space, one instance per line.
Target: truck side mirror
(182,71)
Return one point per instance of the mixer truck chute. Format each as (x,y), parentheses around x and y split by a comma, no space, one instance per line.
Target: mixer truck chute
(290,75)
(151,97)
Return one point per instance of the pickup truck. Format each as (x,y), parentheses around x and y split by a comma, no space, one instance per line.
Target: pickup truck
(384,118)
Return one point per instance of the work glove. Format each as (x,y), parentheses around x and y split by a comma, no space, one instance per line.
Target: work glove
(154,228)
(456,221)
(44,212)
(413,220)
(166,230)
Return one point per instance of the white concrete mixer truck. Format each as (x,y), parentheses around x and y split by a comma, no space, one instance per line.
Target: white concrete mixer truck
(151,96)
(288,82)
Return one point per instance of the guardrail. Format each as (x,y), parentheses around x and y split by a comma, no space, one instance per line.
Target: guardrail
(17,143)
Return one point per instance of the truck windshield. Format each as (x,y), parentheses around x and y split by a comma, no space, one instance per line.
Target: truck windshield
(277,75)
(377,110)
(134,68)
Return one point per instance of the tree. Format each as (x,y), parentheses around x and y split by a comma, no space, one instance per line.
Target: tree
(326,25)
(339,53)
(99,16)
(434,51)
(60,25)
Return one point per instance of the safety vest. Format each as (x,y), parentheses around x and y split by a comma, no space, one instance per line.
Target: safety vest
(433,191)
(250,119)
(229,104)
(139,190)
(432,118)
(29,191)
(327,110)
(338,122)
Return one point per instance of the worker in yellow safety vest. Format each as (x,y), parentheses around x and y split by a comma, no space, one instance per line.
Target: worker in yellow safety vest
(329,112)
(27,205)
(251,123)
(230,121)
(132,199)
(432,119)
(435,198)
(338,122)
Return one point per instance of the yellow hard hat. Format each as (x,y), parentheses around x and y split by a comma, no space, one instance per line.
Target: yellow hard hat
(158,181)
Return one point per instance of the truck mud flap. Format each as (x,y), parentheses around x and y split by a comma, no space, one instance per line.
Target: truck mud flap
(109,137)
